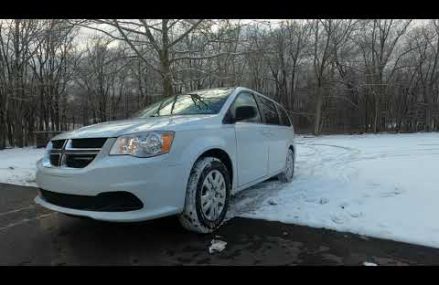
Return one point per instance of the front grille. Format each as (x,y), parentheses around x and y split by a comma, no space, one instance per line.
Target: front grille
(78,160)
(104,202)
(75,153)
(54,159)
(58,144)
(88,143)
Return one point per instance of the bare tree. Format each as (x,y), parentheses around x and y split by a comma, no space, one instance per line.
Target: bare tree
(18,42)
(378,41)
(331,75)
(160,36)
(328,36)
(51,65)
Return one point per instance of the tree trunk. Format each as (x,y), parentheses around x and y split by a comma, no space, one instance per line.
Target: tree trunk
(165,62)
(318,111)
(166,76)
(375,113)
(2,132)
(428,110)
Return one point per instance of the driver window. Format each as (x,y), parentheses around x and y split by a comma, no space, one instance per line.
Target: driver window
(246,99)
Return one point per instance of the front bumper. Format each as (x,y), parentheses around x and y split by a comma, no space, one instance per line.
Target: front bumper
(157,182)
(131,216)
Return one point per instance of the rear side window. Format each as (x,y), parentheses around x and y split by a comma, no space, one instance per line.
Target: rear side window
(284,119)
(246,99)
(268,110)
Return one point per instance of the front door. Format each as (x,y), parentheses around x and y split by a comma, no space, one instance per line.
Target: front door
(251,143)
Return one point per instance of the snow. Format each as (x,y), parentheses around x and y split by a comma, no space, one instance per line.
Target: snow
(369,264)
(384,186)
(18,165)
(217,245)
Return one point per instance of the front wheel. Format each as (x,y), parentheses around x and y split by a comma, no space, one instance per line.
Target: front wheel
(207,196)
(288,173)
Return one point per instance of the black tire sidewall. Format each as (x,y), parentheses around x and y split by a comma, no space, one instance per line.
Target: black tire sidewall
(283,176)
(294,162)
(215,165)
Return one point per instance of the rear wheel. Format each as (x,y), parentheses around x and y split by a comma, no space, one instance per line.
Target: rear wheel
(288,173)
(207,196)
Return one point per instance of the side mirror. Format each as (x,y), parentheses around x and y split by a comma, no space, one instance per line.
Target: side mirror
(244,113)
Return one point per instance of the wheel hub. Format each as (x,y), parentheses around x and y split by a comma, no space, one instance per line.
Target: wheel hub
(213,195)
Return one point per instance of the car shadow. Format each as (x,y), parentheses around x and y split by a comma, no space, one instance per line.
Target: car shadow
(85,241)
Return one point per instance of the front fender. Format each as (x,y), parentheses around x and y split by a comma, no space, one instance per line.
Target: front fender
(194,145)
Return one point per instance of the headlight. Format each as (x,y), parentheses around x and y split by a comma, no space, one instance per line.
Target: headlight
(143,145)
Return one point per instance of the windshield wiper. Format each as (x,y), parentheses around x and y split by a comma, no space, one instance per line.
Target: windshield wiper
(199,99)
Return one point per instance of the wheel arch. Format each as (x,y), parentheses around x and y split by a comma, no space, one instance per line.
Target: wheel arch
(221,155)
(293,148)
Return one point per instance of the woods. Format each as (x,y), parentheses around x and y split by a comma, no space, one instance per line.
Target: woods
(333,76)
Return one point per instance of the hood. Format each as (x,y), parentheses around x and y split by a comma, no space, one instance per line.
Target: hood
(118,128)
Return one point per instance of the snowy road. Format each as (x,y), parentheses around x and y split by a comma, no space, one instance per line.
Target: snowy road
(382,186)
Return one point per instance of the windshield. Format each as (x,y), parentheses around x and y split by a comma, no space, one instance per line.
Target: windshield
(198,102)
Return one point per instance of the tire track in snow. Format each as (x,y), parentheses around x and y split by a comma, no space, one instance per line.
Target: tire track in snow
(311,160)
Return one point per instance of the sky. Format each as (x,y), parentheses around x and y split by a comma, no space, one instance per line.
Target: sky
(86,34)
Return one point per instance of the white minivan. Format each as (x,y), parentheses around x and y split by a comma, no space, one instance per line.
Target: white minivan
(185,155)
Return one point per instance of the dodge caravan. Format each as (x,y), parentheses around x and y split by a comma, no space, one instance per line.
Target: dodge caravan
(185,155)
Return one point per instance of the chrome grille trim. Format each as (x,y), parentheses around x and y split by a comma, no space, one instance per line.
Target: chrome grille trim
(69,157)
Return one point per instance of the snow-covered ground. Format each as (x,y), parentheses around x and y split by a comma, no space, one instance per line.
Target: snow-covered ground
(384,186)
(17,166)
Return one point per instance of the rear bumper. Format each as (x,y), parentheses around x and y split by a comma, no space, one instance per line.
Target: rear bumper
(158,184)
